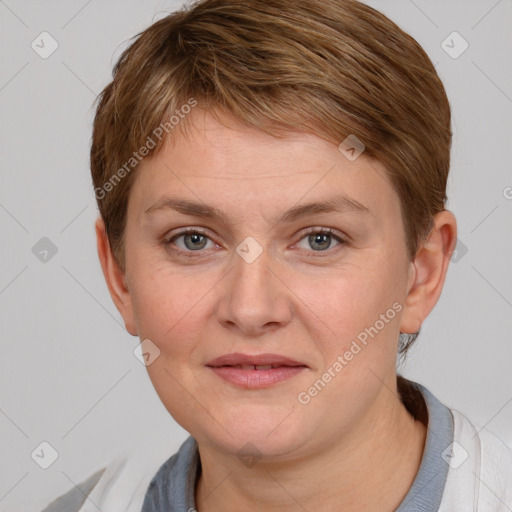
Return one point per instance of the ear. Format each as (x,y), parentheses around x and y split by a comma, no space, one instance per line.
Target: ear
(428,272)
(115,278)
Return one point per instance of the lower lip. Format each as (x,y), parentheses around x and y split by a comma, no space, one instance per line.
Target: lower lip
(256,379)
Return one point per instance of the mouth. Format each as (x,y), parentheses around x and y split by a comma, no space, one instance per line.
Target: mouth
(255,371)
(258,367)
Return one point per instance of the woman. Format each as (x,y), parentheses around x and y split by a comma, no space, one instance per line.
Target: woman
(271,179)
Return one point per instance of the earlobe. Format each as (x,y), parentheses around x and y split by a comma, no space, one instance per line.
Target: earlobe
(115,278)
(428,272)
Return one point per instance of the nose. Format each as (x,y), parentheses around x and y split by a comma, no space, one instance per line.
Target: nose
(254,298)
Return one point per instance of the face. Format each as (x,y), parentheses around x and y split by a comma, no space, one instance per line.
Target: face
(224,258)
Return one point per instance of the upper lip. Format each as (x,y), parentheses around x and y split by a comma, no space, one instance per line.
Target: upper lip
(256,360)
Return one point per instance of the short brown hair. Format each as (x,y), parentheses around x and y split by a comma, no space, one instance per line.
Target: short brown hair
(332,68)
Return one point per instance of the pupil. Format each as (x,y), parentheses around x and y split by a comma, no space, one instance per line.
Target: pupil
(195,238)
(320,238)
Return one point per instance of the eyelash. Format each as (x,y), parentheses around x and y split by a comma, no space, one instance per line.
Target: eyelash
(190,254)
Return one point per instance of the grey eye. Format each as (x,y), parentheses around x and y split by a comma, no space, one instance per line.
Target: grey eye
(194,241)
(190,241)
(319,241)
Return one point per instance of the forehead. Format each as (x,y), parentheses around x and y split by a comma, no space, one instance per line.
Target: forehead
(225,142)
(223,163)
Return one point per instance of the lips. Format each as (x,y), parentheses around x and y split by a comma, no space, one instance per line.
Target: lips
(255,371)
(255,366)
(251,362)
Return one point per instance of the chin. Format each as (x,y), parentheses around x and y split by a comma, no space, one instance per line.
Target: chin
(256,434)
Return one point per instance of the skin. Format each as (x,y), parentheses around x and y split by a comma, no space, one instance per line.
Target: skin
(353,447)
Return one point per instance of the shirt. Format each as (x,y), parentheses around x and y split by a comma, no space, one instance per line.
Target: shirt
(173,487)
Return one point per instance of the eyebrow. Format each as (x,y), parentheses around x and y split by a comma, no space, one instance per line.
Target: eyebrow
(337,204)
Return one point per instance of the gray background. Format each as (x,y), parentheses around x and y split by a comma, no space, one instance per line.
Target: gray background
(68,374)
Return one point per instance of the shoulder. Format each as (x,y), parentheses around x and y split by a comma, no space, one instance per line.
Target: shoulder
(118,484)
(480,469)
(72,500)
(495,476)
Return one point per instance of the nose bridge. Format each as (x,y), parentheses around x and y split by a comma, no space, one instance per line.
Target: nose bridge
(254,299)
(251,279)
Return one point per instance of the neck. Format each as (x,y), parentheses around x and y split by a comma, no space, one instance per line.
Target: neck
(371,468)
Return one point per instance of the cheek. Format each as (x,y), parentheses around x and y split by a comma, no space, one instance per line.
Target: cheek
(356,301)
(170,310)
(168,306)
(356,328)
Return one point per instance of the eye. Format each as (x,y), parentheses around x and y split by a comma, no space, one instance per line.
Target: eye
(193,240)
(320,239)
